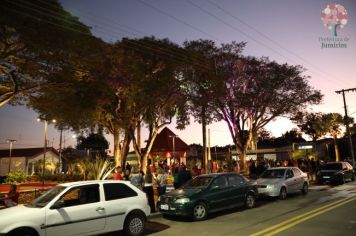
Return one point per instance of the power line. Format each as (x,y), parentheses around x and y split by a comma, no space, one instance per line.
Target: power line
(267,37)
(249,36)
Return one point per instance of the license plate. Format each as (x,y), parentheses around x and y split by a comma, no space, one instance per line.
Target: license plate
(165,207)
(326,177)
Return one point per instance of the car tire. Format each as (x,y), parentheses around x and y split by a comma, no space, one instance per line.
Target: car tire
(342,181)
(353,177)
(305,189)
(249,201)
(135,224)
(200,211)
(23,232)
(283,193)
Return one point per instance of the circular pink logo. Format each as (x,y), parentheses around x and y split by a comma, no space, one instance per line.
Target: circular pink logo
(334,17)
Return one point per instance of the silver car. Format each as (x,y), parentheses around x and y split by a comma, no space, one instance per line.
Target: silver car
(280,181)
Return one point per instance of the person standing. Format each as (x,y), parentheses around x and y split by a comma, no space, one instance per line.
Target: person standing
(118,173)
(136,178)
(161,182)
(176,183)
(148,189)
(184,175)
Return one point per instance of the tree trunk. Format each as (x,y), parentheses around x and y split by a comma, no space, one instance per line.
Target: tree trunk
(125,148)
(117,154)
(337,156)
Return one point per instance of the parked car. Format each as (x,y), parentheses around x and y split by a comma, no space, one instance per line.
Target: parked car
(336,173)
(79,208)
(208,193)
(280,181)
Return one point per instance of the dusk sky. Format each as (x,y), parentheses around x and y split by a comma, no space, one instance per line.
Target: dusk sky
(283,30)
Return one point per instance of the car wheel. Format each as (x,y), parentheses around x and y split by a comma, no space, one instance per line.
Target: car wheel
(22,232)
(200,211)
(283,193)
(134,224)
(353,177)
(305,189)
(342,181)
(249,201)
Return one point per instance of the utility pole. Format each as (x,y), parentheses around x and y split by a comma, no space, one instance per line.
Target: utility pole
(11,141)
(347,120)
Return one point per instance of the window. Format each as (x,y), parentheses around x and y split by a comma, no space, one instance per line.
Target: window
(81,195)
(220,182)
(290,174)
(115,191)
(235,180)
(296,172)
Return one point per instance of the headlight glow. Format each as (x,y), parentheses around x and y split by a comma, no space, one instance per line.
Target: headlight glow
(182,200)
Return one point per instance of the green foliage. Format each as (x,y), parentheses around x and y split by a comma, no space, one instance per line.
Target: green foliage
(17,177)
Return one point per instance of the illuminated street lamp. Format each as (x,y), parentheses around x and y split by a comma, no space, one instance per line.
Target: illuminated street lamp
(45,142)
(11,141)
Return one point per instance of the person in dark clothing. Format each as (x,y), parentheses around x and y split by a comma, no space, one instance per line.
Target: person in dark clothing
(184,176)
(128,166)
(148,189)
(253,170)
(176,182)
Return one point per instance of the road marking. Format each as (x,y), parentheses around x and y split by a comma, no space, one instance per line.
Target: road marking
(300,218)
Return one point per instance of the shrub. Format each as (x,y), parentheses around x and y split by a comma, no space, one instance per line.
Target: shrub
(17,177)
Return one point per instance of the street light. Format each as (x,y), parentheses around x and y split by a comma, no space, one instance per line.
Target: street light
(45,143)
(11,141)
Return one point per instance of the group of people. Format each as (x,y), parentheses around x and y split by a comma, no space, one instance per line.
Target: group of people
(309,166)
(146,180)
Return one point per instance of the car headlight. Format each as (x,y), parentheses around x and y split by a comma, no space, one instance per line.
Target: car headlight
(182,200)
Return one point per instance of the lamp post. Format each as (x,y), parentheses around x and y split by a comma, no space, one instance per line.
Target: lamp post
(173,142)
(11,141)
(45,144)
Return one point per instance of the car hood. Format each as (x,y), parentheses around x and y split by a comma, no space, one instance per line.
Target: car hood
(262,181)
(186,192)
(19,212)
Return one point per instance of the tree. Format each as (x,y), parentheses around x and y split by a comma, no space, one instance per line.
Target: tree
(256,91)
(39,39)
(311,124)
(332,123)
(201,83)
(95,142)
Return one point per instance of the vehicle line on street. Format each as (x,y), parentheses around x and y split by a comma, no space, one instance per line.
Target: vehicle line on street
(301,218)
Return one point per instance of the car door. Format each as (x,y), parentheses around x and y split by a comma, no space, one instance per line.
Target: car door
(80,211)
(118,198)
(291,181)
(219,193)
(238,188)
(299,177)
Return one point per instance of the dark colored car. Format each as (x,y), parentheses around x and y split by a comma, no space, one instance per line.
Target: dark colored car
(336,173)
(208,193)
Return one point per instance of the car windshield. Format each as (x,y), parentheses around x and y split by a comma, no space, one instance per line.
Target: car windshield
(44,199)
(198,182)
(273,173)
(332,166)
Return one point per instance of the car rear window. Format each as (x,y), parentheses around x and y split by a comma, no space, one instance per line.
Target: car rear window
(332,166)
(115,191)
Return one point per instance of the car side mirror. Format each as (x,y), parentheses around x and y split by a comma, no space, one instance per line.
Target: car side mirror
(57,205)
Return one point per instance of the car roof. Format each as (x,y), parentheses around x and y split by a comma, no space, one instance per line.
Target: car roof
(218,174)
(281,168)
(80,183)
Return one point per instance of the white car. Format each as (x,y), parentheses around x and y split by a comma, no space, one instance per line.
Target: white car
(280,181)
(79,208)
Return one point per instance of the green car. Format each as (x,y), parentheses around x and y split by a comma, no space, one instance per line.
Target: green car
(208,193)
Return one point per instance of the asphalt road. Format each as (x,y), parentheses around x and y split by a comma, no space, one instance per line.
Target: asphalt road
(324,211)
